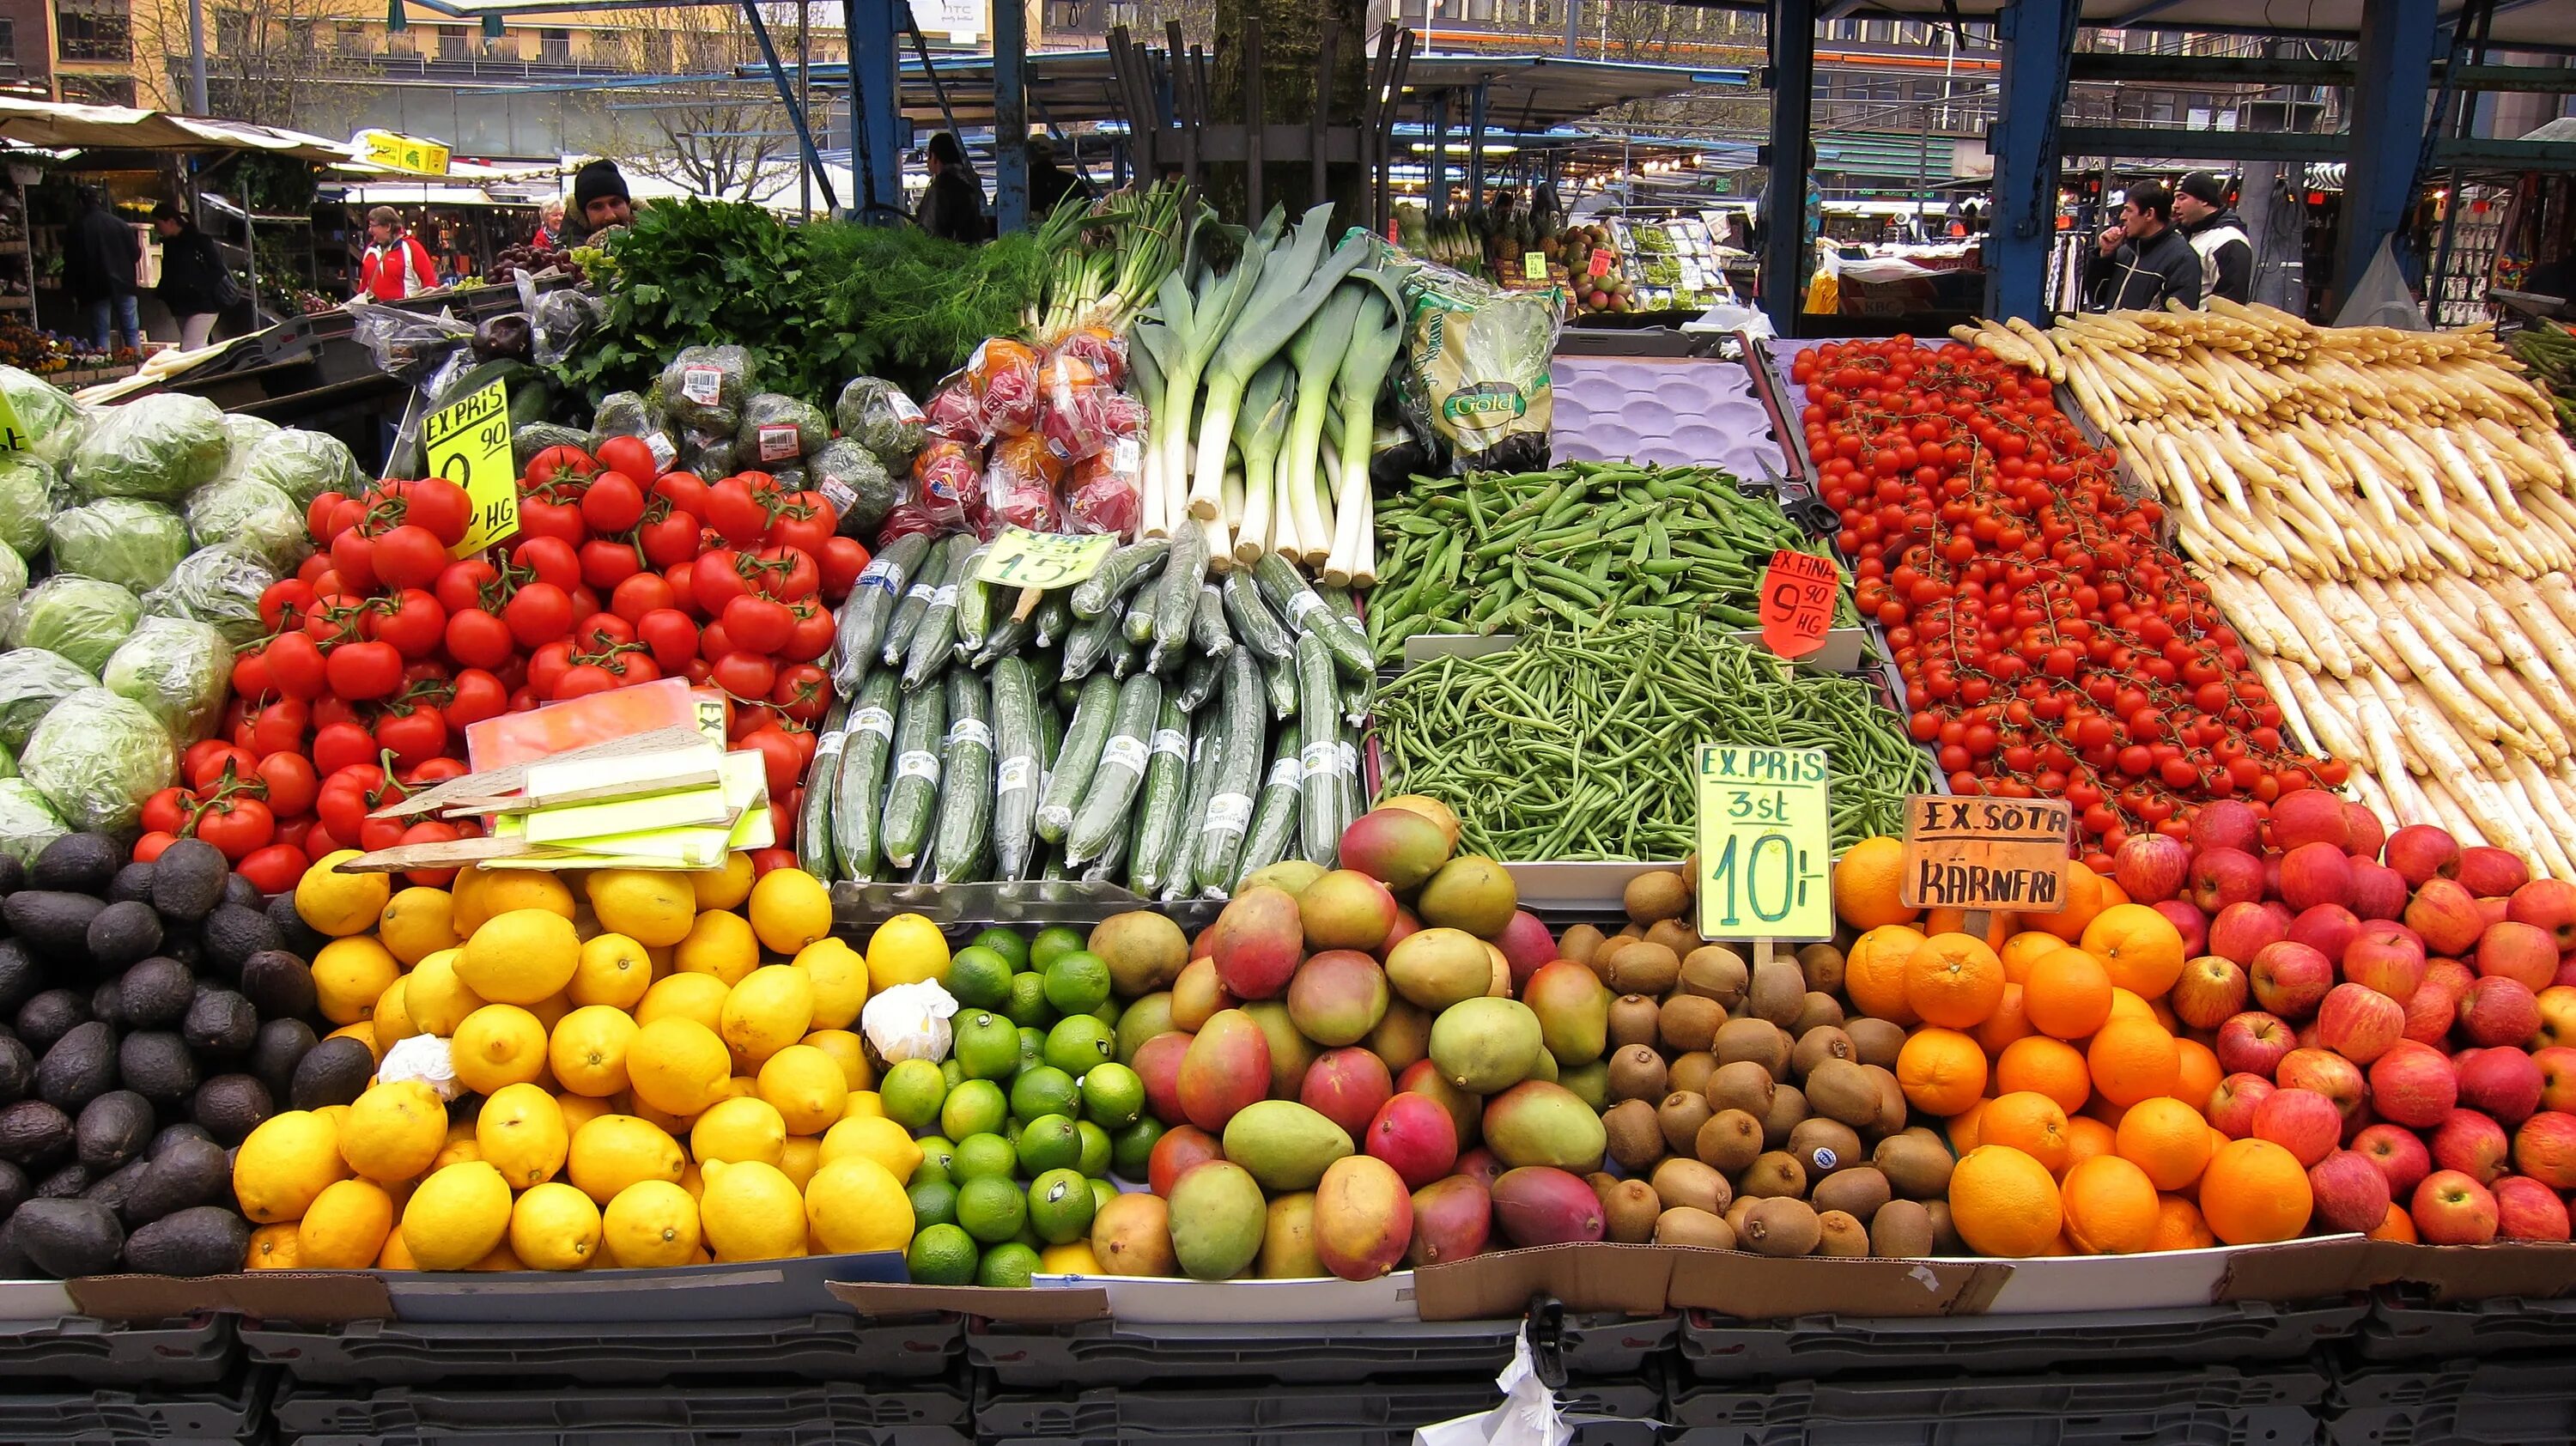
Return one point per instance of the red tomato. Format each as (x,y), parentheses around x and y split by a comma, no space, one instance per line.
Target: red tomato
(277,726)
(638,595)
(237,825)
(442,507)
(462,582)
(321,517)
(413,622)
(538,613)
(274,869)
(670,635)
(479,640)
(813,635)
(283,603)
(206,763)
(151,845)
(613,502)
(407,556)
(787,573)
(805,520)
(558,520)
(431,831)
(714,642)
(746,675)
(341,807)
(583,679)
(669,540)
(783,760)
(601,632)
(167,810)
(764,860)
(737,512)
(803,692)
(353,557)
(606,562)
(557,466)
(250,674)
(479,695)
(629,455)
(548,666)
(552,559)
(715,579)
(841,560)
(757,624)
(292,782)
(684,491)
(364,670)
(414,736)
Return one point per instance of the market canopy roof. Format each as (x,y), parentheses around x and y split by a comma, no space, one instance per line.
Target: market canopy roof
(59,126)
(2546,24)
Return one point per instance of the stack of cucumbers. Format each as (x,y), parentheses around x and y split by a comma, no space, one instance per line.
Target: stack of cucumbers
(1161,725)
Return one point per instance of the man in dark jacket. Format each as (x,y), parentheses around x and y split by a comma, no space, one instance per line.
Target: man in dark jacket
(194,284)
(99,257)
(2140,263)
(2203,216)
(953,206)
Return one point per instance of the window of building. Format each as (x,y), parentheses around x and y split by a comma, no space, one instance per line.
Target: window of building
(349,37)
(1480,11)
(8,40)
(655,46)
(453,43)
(1542,15)
(98,89)
(95,30)
(555,46)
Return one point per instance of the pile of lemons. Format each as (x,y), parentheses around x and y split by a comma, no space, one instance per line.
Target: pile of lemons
(652,1069)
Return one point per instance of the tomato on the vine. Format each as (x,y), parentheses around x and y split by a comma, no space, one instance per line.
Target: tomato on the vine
(630,456)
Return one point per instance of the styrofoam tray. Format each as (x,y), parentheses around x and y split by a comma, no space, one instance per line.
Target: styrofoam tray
(1681,411)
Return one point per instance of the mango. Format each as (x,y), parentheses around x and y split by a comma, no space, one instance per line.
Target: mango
(1158,1064)
(1340,995)
(1141,1021)
(1218,1218)
(1403,1036)
(1486,1045)
(1526,942)
(1573,1009)
(1144,951)
(1407,924)
(1226,1067)
(1286,1145)
(1466,1111)
(1452,1217)
(1438,967)
(1289,876)
(1416,1136)
(1290,1052)
(1132,1235)
(1197,994)
(1363,1218)
(1181,1148)
(1346,1086)
(1257,943)
(1542,1205)
(1590,1082)
(1470,892)
(1431,808)
(1346,909)
(1395,846)
(1288,1241)
(1537,1123)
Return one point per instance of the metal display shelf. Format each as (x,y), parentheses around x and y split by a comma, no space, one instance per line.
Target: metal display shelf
(1721,1348)
(1103,1353)
(1370,1414)
(412,1353)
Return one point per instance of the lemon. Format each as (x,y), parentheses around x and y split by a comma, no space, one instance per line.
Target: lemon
(520,957)
(1071,1258)
(521,1132)
(390,1021)
(751,1211)
(394,1131)
(790,909)
(673,1125)
(848,1052)
(685,996)
(435,998)
(720,944)
(649,1224)
(350,975)
(855,1204)
(456,1217)
(692,1181)
(579,1110)
(417,923)
(800,1157)
(460,1147)
(284,1164)
(615,1151)
(650,906)
(364,1032)
(738,1129)
(839,977)
(499,891)
(346,1227)
(555,1227)
(397,1255)
(498,1044)
(500,1259)
(341,904)
(864,1105)
(588,1050)
(807,1086)
(551,1009)
(724,886)
(876,1138)
(769,1010)
(906,949)
(275,1247)
(676,1065)
(614,970)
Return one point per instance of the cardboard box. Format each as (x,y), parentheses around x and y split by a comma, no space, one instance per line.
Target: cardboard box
(1628,1279)
(2526,1269)
(306,1297)
(1760,1287)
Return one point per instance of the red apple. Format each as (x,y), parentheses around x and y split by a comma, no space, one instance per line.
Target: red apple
(2499,1011)
(2545,1149)
(2429,1014)
(2298,821)
(2253,1043)
(2365,832)
(2550,904)
(2446,915)
(2454,976)
(2413,1084)
(2472,1144)
(2208,991)
(2227,823)
(2420,852)
(2327,1073)
(2241,930)
(2188,921)
(2378,891)
(2491,911)
(2492,873)
(2149,867)
(2557,1078)
(2327,928)
(2303,1122)
(2567,969)
(2359,1023)
(2528,1210)
(2351,1194)
(2518,951)
(2397,1154)
(2505,1083)
(2557,1005)
(2271,873)
(2450,1208)
(2387,956)
(2232,1105)
(2316,873)
(2220,877)
(2289,979)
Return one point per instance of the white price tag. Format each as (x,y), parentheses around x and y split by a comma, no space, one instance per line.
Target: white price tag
(1320,760)
(873,720)
(1230,811)
(1124,751)
(919,763)
(1017,775)
(1287,773)
(970,730)
(1172,741)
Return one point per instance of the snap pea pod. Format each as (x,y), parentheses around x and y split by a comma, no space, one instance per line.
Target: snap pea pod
(914,788)
(1274,819)
(935,571)
(870,605)
(1078,757)
(1158,821)
(1119,573)
(860,784)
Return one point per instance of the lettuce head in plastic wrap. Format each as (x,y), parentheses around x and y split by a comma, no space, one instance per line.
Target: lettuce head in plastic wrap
(159,447)
(178,669)
(82,618)
(54,422)
(219,585)
(303,465)
(252,516)
(13,586)
(27,821)
(96,757)
(32,681)
(27,501)
(123,540)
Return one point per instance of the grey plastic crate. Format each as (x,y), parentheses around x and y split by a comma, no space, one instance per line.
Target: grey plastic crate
(2210,1407)
(1632,1412)
(1609,1344)
(88,1351)
(818,1415)
(810,1348)
(1723,1348)
(1374,1414)
(2514,1402)
(230,1416)
(1100,1353)
(2405,1327)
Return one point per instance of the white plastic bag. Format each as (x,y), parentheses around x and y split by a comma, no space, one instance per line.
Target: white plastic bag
(909,1021)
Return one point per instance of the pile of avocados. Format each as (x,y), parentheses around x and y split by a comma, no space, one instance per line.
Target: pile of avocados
(154,1014)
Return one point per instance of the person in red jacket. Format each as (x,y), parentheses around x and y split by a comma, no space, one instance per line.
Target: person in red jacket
(396,264)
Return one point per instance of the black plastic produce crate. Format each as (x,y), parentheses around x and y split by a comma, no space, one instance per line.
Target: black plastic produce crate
(1107,1353)
(88,1351)
(1378,1413)
(2209,1407)
(820,1347)
(1605,1343)
(1632,1412)
(1722,1348)
(2403,1326)
(233,1416)
(2519,1401)
(835,1414)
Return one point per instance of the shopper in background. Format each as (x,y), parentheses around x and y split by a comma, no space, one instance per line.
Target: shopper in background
(2141,262)
(396,264)
(953,206)
(1050,183)
(2201,213)
(100,257)
(194,284)
(550,227)
(599,201)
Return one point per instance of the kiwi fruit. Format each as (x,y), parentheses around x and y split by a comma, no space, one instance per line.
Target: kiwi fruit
(1901,1230)
(1819,1011)
(1690,1022)
(1737,1213)
(1825,1146)
(1788,1107)
(1891,1100)
(1758,1040)
(1636,1073)
(1714,971)
(1628,1212)
(1743,1085)
(1841,1090)
(1777,993)
(1579,943)
(1673,934)
(1860,1190)
(1691,1071)
(1656,895)
(1635,1139)
(1632,931)
(1781,1226)
(1945,1236)
(1915,1162)
(1877,1040)
(1776,1172)
(1643,967)
(1823,966)
(1688,1225)
(1729,1140)
(1634,1019)
(1601,1181)
(1839,1232)
(1679,1119)
(1688,1182)
(1817,1045)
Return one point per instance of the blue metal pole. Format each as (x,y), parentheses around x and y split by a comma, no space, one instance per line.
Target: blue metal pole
(1436,189)
(1476,145)
(875,99)
(1793,87)
(1010,117)
(2389,104)
(2037,36)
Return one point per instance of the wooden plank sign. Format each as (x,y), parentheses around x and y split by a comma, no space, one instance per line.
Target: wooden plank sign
(1986,853)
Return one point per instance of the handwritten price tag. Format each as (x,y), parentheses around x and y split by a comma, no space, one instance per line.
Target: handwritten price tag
(1765,844)
(1533,266)
(1797,604)
(468,443)
(1020,558)
(1599,265)
(13,434)
(1986,853)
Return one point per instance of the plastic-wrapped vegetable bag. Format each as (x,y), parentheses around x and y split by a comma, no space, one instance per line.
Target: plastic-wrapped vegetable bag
(32,681)
(27,821)
(28,501)
(123,540)
(303,465)
(176,668)
(96,757)
(218,585)
(54,422)
(252,516)
(159,447)
(82,618)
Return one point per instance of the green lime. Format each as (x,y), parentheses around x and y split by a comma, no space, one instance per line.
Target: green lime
(1052,941)
(980,978)
(1095,1149)
(912,1092)
(1080,1044)
(1005,942)
(938,1160)
(988,1044)
(1033,1048)
(981,1157)
(973,1108)
(1007,1267)
(953,1072)
(1109,1014)
(1102,1192)
(934,1202)
(1077,983)
(1060,1206)
(1132,1149)
(1043,1090)
(942,1255)
(1028,1002)
(1011,1130)
(1112,1095)
(991,1208)
(1050,1142)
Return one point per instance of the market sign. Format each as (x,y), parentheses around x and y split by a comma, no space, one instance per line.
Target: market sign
(1985,853)
(1796,608)
(468,443)
(1765,843)
(1024,559)
(396,152)
(13,433)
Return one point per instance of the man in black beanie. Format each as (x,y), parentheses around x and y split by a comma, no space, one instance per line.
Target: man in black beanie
(599,201)
(2203,216)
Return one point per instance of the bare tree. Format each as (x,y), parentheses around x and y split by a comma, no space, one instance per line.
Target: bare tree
(265,59)
(703,128)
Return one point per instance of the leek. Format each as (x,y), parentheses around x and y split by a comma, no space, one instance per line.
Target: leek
(1146,347)
(1199,318)
(1292,285)
(1375,339)
(1317,355)
(1263,425)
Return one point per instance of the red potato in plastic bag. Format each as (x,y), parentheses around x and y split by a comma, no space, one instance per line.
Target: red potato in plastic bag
(1019,484)
(1004,376)
(945,475)
(1107,490)
(953,413)
(1075,420)
(1105,352)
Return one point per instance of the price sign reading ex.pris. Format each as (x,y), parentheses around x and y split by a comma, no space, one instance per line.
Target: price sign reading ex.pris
(468,443)
(1765,844)
(1021,558)
(1797,604)
(1986,853)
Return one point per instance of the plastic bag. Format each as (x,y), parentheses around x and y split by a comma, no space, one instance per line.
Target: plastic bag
(909,1021)
(1019,484)
(1003,375)
(856,483)
(122,540)
(944,476)
(1077,419)
(2381,297)
(244,431)
(527,441)
(952,414)
(1099,348)
(627,414)
(1472,379)
(409,344)
(27,502)
(875,414)
(705,386)
(96,757)
(425,1059)
(1107,491)
(53,422)
(710,457)
(162,447)
(304,465)
(178,669)
(13,587)
(563,318)
(81,618)
(219,586)
(32,681)
(254,517)
(779,431)
(27,821)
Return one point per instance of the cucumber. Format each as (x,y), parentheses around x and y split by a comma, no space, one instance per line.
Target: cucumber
(1358,697)
(1240,711)
(1050,731)
(1016,765)
(1319,823)
(1176,597)
(1136,620)
(933,640)
(860,785)
(1084,737)
(1358,690)
(1121,571)
(1279,680)
(1254,623)
(974,606)
(914,786)
(1006,640)
(916,599)
(966,784)
(865,611)
(1208,632)
(814,820)
(1158,815)
(1106,868)
(1054,620)
(1103,813)
(1206,758)
(1199,680)
(1274,818)
(1089,645)
(1053,870)
(1129,659)
(1354,788)
(1284,590)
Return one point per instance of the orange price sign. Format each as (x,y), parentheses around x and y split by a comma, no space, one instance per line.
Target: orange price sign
(1797,605)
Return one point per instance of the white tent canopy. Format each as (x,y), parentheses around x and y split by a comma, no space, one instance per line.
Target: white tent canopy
(58,126)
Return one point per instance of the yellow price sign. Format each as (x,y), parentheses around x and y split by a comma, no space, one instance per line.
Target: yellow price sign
(1533,266)
(1765,843)
(468,443)
(1020,558)
(13,433)
(409,154)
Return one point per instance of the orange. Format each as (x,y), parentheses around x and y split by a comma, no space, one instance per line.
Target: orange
(2029,1122)
(2087,1137)
(2006,1024)
(2048,1066)
(2166,1138)
(2003,1203)
(1941,1070)
(2126,1005)
(1874,972)
(2162,1012)
(1999,925)
(2179,1226)
(2252,1192)
(1954,981)
(2068,995)
(2085,891)
(2133,1060)
(2108,1112)
(2111,1207)
(2025,949)
(1865,884)
(1962,1127)
(2198,1073)
(2396,1225)
(2140,947)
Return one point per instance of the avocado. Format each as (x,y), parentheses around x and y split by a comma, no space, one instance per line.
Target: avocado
(281,1046)
(33,1132)
(134,881)
(19,976)
(279,984)
(187,1172)
(111,1189)
(232,934)
(230,1106)
(81,863)
(113,1129)
(14,1264)
(156,1064)
(17,1069)
(54,924)
(79,1068)
(335,1072)
(67,1238)
(68,1182)
(179,941)
(106,1006)
(15,1187)
(171,1134)
(219,1019)
(242,893)
(13,875)
(200,1240)
(49,1016)
(293,934)
(155,994)
(123,932)
(188,880)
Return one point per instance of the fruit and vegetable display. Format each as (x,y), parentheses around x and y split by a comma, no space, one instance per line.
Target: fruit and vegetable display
(2548,348)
